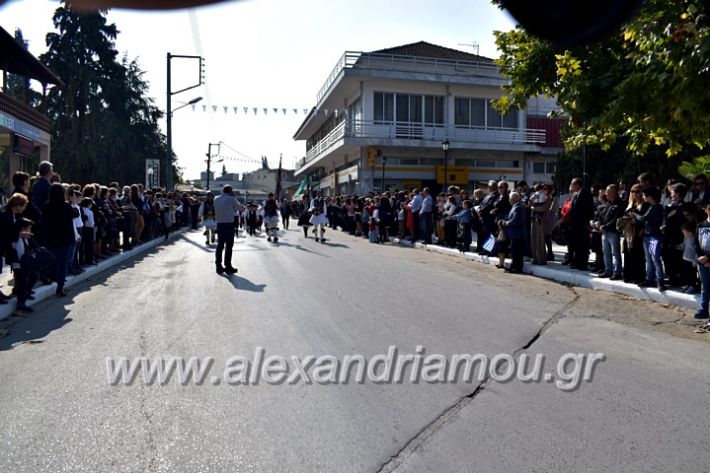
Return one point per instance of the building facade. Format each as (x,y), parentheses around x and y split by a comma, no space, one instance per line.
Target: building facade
(382,119)
(253,185)
(25,131)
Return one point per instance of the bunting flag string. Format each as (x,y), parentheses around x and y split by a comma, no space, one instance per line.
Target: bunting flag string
(273,111)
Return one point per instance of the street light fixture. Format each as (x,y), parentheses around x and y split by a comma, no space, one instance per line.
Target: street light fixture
(191,102)
(445,147)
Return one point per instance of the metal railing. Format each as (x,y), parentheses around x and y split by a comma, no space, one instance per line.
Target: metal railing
(404,63)
(392,130)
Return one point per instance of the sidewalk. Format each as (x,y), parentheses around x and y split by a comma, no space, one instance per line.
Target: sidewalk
(556,271)
(45,292)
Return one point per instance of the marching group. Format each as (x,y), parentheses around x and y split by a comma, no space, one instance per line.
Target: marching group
(49,229)
(639,234)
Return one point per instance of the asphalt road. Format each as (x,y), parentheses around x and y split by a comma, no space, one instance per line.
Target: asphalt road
(646,408)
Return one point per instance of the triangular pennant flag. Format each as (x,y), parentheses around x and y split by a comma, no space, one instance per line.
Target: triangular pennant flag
(193,107)
(325,112)
(246,109)
(295,111)
(266,111)
(336,112)
(276,110)
(283,110)
(214,108)
(235,109)
(255,110)
(204,108)
(225,109)
(305,111)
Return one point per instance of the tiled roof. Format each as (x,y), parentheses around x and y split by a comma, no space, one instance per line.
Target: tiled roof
(424,49)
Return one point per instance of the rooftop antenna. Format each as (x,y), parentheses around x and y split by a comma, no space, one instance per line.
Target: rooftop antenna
(474,45)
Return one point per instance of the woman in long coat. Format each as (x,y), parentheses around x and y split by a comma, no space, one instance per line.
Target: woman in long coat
(539,212)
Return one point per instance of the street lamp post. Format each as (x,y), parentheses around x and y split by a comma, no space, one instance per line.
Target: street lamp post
(169,110)
(445,147)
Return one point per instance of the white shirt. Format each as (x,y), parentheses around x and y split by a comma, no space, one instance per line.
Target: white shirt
(19,247)
(89,217)
(78,222)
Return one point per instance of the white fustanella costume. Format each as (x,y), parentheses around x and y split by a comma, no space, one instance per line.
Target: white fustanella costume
(318,217)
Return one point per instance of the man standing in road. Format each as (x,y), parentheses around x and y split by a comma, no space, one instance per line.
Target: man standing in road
(425,216)
(416,206)
(225,206)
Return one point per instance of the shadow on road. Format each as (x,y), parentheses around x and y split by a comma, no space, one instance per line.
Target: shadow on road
(207,249)
(299,248)
(52,314)
(244,284)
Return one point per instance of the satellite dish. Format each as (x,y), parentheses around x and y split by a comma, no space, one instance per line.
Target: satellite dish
(571,23)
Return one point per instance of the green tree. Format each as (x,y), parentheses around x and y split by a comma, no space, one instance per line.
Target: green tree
(647,84)
(690,169)
(18,86)
(105,125)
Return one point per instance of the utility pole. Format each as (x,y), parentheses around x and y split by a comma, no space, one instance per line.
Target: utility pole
(209,161)
(169,112)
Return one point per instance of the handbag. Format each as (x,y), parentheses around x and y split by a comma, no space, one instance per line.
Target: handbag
(36,260)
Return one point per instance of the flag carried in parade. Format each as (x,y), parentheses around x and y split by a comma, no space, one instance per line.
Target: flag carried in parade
(489,244)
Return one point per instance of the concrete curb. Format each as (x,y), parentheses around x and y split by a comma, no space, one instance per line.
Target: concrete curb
(577,278)
(44,292)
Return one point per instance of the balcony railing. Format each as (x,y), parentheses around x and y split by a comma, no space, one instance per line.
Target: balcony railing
(425,132)
(397,62)
(25,113)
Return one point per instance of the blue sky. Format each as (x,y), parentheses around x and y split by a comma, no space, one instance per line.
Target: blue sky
(266,53)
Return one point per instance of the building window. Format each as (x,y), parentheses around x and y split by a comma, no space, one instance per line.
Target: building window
(433,110)
(384,107)
(539,168)
(402,104)
(469,112)
(355,110)
(408,108)
(478,113)
(415,108)
(510,119)
(462,112)
(494,118)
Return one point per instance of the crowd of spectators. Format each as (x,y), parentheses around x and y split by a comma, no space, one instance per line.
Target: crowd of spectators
(49,229)
(639,234)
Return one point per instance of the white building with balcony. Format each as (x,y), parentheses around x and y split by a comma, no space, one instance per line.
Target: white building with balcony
(381,118)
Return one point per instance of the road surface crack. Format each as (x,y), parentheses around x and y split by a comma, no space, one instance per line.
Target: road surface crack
(413,444)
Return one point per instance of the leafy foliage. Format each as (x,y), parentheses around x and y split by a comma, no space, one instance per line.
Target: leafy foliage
(105,125)
(690,169)
(649,84)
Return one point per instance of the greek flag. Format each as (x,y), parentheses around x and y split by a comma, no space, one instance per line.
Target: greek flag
(489,244)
